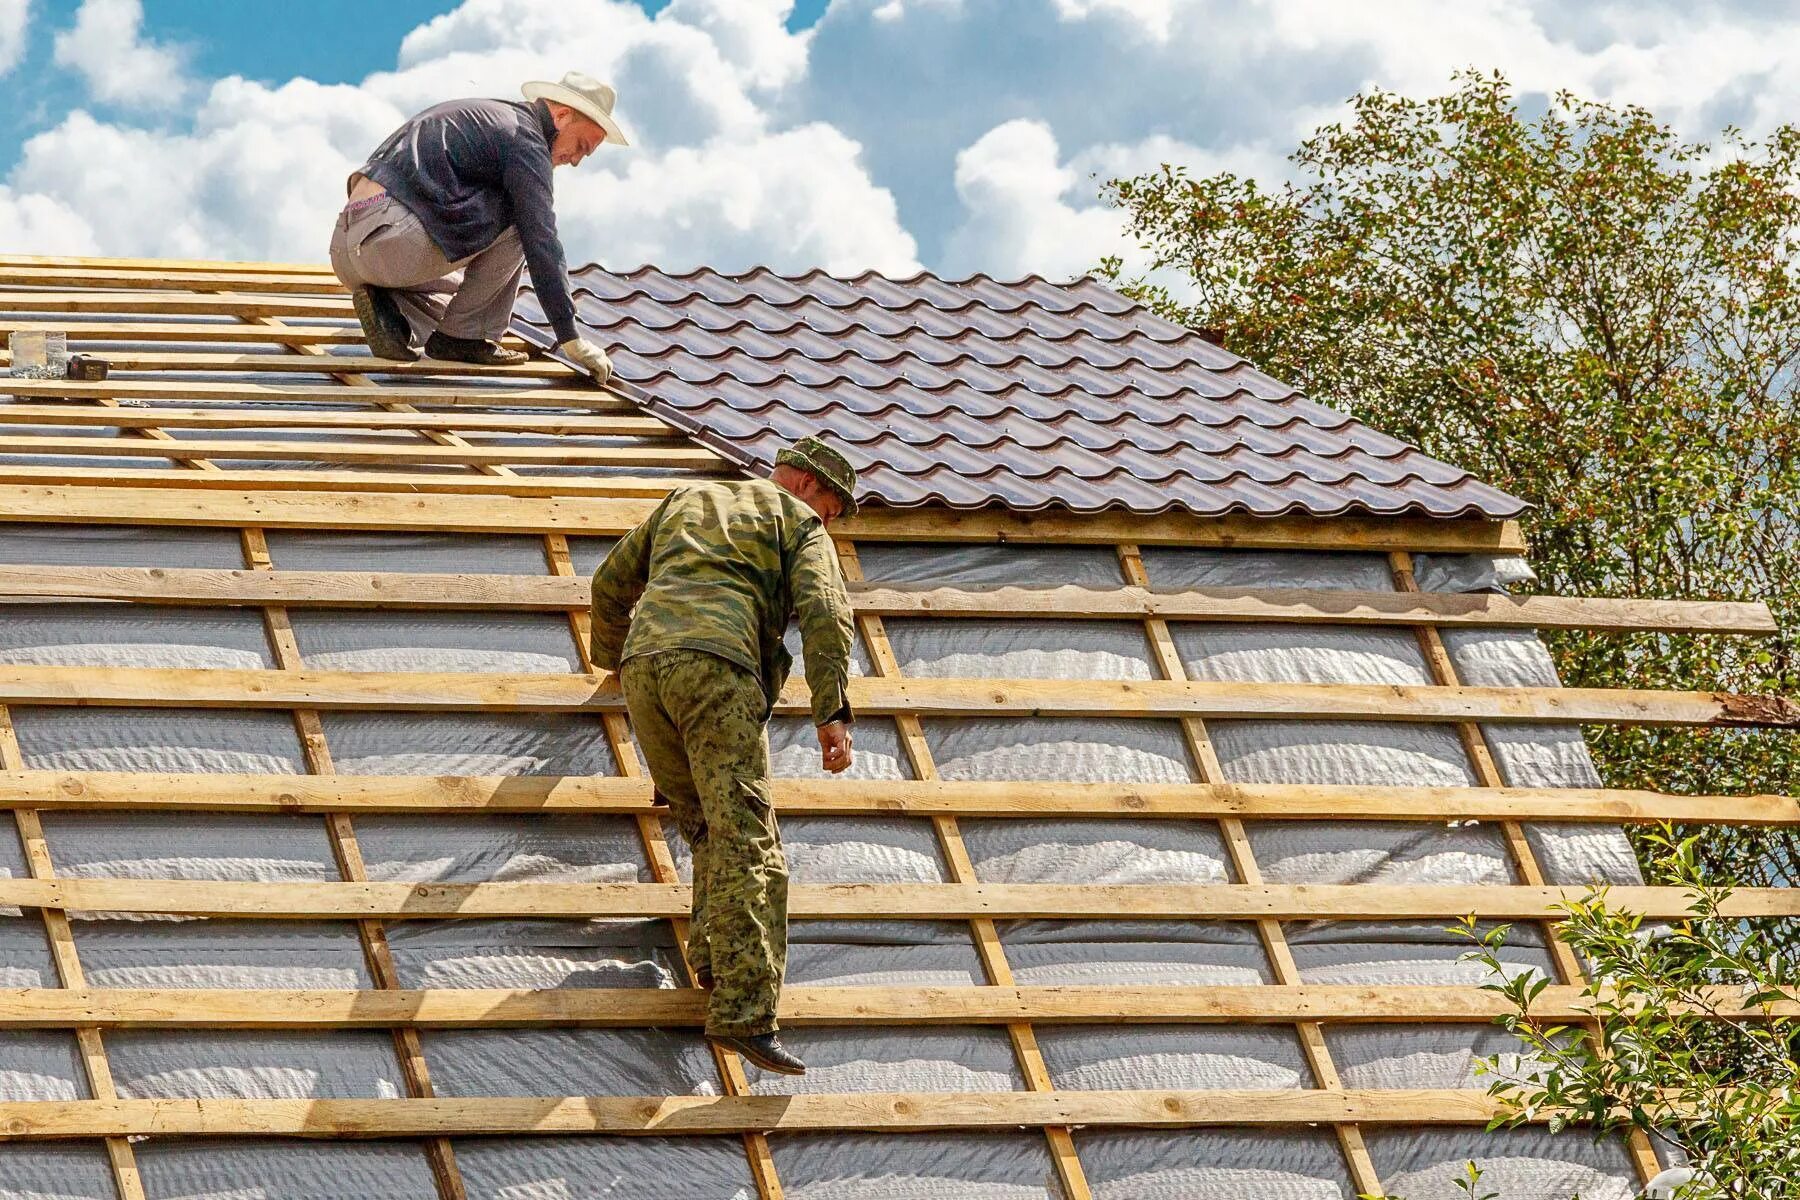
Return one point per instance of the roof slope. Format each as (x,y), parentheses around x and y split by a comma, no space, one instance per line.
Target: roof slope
(975,392)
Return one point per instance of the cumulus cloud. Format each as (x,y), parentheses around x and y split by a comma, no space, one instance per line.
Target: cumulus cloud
(259,171)
(1027,209)
(106,48)
(258,176)
(792,200)
(1016,195)
(965,134)
(13,16)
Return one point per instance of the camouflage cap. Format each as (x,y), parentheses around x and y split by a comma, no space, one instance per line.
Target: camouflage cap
(827,465)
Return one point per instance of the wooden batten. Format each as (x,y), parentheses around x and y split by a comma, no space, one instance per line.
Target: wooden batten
(1287,606)
(666,1116)
(101,791)
(801,1006)
(884,902)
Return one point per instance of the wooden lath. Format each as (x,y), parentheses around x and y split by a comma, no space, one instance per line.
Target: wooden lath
(143,416)
(801,1006)
(870,901)
(153,791)
(444,691)
(677,1116)
(207,267)
(287,364)
(582,399)
(478,591)
(123,500)
(225,331)
(373,450)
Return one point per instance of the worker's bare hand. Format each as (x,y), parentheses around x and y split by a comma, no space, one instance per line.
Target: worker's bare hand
(590,357)
(834,746)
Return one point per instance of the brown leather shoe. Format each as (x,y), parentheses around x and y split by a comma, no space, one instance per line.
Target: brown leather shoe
(765,1050)
(474,351)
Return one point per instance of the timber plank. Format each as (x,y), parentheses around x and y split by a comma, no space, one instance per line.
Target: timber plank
(903,902)
(1231,531)
(124,500)
(464,591)
(205,792)
(221,332)
(481,691)
(660,457)
(136,417)
(801,1005)
(447,396)
(702,1115)
(191,304)
(185,266)
(155,278)
(1317,606)
(183,503)
(443,486)
(192,360)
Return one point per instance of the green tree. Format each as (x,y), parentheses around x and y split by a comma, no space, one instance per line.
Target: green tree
(1578,307)
(1690,1040)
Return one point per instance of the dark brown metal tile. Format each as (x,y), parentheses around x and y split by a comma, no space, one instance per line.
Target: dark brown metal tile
(968,393)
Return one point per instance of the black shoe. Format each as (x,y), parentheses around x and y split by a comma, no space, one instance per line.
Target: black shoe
(472,350)
(765,1050)
(703,978)
(383,324)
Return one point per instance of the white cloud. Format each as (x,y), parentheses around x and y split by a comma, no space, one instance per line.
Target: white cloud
(14,15)
(1028,210)
(106,49)
(967,135)
(1154,16)
(37,224)
(259,176)
(1019,220)
(259,171)
(791,200)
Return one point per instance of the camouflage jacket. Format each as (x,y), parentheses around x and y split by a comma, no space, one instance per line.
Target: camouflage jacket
(721,567)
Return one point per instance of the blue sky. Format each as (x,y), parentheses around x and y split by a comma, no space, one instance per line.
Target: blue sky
(958,135)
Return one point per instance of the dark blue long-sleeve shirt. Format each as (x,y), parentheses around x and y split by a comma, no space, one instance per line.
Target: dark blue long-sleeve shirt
(469,169)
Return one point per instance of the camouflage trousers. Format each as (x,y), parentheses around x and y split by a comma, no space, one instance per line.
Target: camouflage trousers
(699,722)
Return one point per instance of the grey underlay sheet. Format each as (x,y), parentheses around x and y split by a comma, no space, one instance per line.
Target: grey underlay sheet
(1289,1164)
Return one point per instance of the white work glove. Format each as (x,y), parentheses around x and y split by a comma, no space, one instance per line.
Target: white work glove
(589,356)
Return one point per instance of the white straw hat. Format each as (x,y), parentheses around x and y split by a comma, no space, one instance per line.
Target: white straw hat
(587,96)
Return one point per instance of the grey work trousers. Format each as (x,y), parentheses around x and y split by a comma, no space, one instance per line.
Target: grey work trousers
(382,244)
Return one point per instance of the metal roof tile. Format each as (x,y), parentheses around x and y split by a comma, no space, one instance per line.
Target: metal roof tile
(1027,394)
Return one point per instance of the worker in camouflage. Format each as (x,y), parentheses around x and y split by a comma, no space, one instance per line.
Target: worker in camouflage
(690,608)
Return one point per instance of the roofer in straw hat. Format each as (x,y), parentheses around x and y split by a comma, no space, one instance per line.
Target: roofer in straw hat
(453,207)
(715,574)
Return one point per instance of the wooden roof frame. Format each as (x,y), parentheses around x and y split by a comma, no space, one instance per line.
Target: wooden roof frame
(471,472)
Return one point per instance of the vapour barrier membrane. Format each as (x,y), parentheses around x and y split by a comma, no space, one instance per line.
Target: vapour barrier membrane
(1304,1164)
